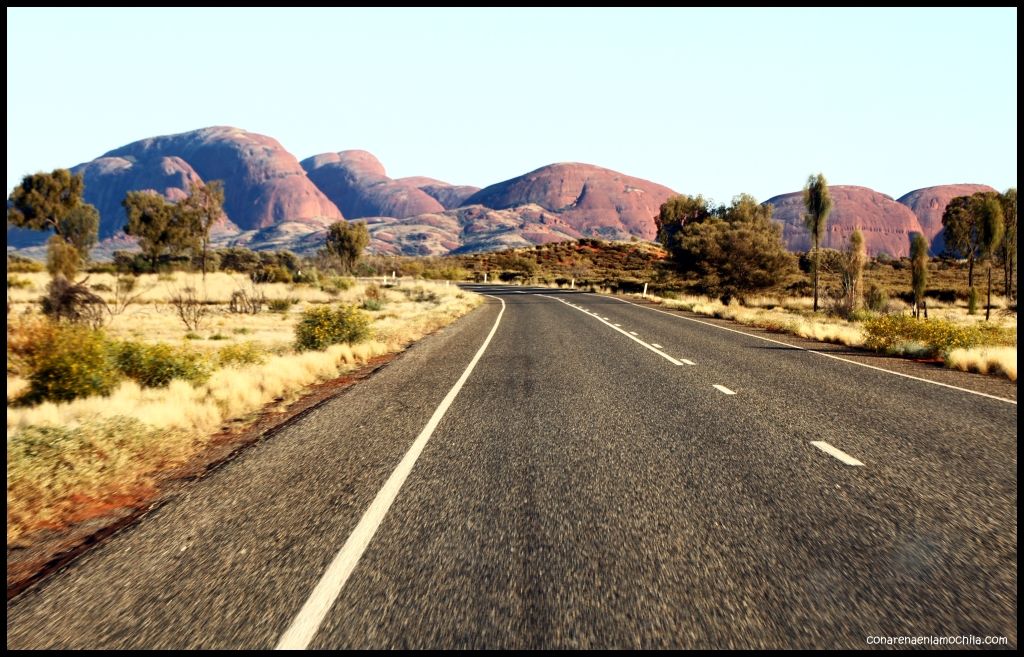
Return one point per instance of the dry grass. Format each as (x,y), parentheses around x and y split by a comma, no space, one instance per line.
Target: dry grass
(773,316)
(793,315)
(90,449)
(986,360)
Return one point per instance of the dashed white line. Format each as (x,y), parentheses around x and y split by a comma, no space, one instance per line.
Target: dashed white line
(812,351)
(837,453)
(633,333)
(306,623)
(688,362)
(625,333)
(655,344)
(723,389)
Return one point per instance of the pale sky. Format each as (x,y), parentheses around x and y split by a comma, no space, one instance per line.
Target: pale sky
(715,102)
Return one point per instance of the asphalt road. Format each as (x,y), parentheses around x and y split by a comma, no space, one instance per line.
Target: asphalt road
(585,487)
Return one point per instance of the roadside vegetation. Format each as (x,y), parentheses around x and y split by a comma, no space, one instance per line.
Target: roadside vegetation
(118,372)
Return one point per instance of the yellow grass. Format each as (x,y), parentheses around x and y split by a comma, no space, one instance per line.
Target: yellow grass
(986,360)
(86,447)
(793,315)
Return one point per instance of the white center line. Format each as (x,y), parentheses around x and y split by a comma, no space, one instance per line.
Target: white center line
(308,620)
(838,453)
(625,333)
(723,389)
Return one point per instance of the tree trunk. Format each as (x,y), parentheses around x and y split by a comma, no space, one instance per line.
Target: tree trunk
(988,304)
(970,270)
(815,265)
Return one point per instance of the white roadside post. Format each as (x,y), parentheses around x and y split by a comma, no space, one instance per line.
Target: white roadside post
(485,277)
(572,284)
(645,290)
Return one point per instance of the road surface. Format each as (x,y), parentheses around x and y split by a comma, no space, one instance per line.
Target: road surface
(566,470)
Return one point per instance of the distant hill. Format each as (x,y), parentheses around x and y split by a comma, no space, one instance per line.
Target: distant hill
(272,201)
(594,201)
(929,203)
(886,224)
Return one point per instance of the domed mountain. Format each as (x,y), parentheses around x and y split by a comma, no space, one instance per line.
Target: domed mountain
(594,201)
(263,183)
(885,224)
(358,184)
(928,204)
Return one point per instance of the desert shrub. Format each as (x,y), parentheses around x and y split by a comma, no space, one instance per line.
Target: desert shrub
(372,304)
(243,353)
(17,264)
(61,257)
(945,295)
(248,302)
(322,326)
(73,302)
(876,299)
(800,288)
(101,268)
(28,337)
(335,285)
(309,276)
(156,365)
(18,283)
(101,287)
(74,361)
(373,291)
(218,336)
(891,333)
(189,307)
(282,305)
(271,274)
(420,295)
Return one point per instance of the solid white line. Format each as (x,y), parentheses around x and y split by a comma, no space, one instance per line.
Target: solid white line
(625,333)
(813,351)
(688,362)
(307,621)
(723,389)
(838,453)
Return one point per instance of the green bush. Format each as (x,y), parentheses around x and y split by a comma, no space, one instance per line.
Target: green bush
(281,305)
(18,283)
(156,365)
(935,337)
(322,326)
(876,299)
(336,284)
(243,353)
(372,304)
(75,362)
(271,274)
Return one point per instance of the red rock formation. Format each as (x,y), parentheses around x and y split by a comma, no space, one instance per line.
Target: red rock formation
(263,183)
(594,201)
(929,203)
(886,224)
(357,183)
